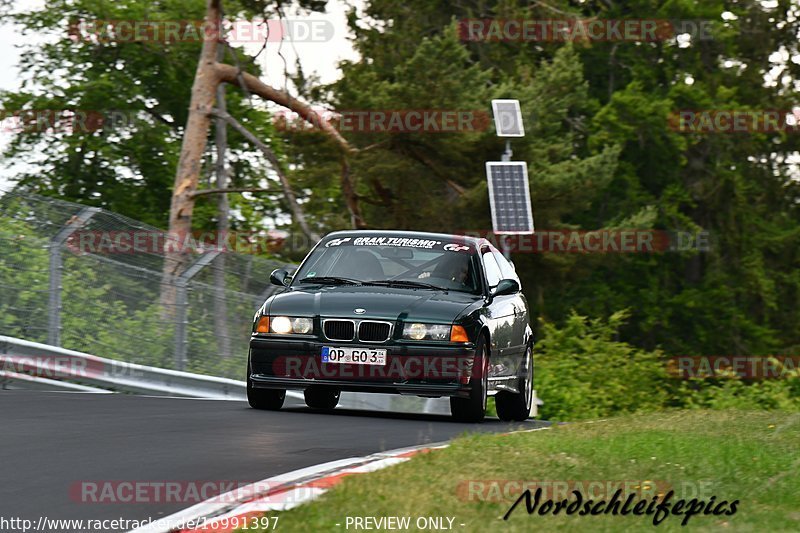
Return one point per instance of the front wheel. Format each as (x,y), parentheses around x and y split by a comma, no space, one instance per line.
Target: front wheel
(516,407)
(322,397)
(473,409)
(264,399)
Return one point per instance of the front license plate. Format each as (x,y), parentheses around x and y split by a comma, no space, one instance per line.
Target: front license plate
(357,356)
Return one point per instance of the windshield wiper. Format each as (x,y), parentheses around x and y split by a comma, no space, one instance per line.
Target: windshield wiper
(405,283)
(331,280)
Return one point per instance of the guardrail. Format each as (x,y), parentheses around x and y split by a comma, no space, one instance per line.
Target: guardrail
(29,364)
(33,365)
(62,367)
(27,381)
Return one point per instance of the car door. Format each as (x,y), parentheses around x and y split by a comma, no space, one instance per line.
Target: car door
(521,327)
(501,316)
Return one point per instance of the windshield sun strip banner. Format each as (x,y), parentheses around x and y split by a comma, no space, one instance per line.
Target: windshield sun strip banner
(404,242)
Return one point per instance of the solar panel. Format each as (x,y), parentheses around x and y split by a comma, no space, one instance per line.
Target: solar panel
(508,118)
(510,196)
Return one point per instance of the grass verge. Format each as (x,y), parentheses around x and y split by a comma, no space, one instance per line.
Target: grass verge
(752,457)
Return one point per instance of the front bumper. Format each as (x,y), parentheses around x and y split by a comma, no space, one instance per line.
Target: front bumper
(417,369)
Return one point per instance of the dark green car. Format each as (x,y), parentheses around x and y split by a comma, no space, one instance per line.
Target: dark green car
(423,314)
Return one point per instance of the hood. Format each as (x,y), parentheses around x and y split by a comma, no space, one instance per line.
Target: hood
(383,303)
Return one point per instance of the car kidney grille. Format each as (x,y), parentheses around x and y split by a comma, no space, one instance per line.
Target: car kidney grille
(373,331)
(339,330)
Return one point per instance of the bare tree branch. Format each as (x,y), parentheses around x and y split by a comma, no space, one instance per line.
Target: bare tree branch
(229,74)
(420,156)
(204,192)
(223,222)
(374,145)
(160,118)
(553,9)
(294,207)
(350,197)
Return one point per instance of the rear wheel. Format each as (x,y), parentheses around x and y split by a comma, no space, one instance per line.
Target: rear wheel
(322,397)
(264,399)
(473,409)
(517,406)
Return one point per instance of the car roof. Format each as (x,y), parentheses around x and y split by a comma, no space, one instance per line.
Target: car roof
(475,241)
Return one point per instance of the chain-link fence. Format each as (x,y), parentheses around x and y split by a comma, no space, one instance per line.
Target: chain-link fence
(57,286)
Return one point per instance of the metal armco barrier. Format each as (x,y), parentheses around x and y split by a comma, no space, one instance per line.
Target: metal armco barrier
(60,365)
(32,365)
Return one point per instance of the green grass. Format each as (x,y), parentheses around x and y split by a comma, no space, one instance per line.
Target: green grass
(753,457)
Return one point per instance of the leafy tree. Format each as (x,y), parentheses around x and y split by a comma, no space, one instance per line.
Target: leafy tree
(140,88)
(602,153)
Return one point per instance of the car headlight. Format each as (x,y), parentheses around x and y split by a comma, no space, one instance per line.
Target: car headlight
(433,332)
(284,325)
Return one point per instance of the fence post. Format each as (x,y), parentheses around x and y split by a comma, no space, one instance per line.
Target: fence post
(182,304)
(54,295)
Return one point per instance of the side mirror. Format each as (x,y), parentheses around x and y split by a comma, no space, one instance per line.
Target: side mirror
(278,277)
(506,286)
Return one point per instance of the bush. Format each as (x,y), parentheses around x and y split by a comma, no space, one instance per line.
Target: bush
(735,393)
(582,372)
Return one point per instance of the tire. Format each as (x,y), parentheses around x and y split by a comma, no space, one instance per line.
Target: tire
(473,409)
(322,397)
(516,407)
(264,399)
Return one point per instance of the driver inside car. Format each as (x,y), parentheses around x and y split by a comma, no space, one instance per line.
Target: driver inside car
(453,268)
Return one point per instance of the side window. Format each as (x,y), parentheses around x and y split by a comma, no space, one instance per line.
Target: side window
(506,270)
(493,274)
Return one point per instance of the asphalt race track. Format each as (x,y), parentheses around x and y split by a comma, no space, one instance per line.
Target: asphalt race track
(51,442)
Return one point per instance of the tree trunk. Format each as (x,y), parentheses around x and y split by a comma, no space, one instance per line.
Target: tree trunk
(189,164)
(208,76)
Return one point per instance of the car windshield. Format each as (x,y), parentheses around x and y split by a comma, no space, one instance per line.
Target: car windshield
(404,262)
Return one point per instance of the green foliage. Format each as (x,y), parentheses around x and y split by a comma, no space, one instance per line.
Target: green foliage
(111,309)
(734,393)
(23,263)
(581,371)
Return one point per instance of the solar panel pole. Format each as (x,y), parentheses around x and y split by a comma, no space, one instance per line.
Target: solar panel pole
(503,238)
(508,153)
(503,242)
(505,247)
